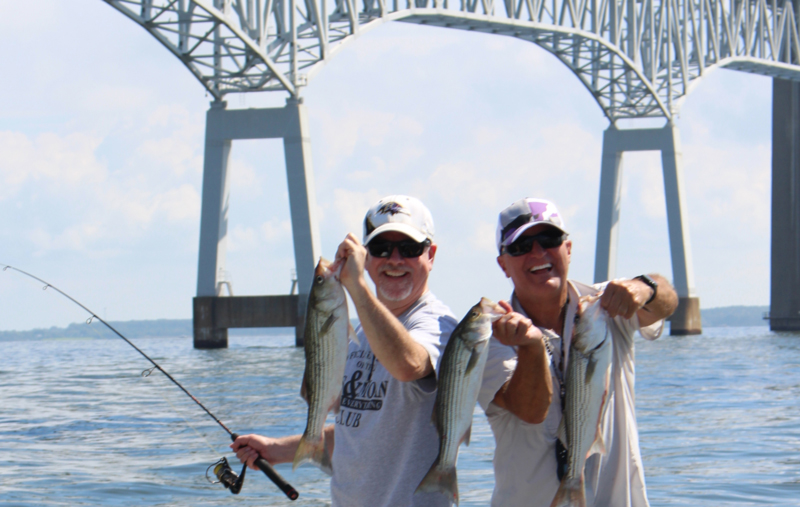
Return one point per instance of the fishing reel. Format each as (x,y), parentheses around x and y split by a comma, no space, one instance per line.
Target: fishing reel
(226,476)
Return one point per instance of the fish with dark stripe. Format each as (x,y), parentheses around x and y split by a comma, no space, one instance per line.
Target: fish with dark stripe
(588,374)
(459,381)
(327,333)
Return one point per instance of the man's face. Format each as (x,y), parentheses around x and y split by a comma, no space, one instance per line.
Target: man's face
(399,281)
(541,274)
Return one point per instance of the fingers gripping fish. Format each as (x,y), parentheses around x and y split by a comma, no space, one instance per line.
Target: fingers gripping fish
(587,381)
(327,332)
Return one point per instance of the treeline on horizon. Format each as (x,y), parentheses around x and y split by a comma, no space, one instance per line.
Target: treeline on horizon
(729,316)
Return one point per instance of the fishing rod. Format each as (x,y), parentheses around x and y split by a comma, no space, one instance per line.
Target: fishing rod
(225,475)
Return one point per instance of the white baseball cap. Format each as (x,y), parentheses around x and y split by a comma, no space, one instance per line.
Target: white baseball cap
(399,213)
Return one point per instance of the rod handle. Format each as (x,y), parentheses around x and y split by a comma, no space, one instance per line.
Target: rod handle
(274,476)
(277,479)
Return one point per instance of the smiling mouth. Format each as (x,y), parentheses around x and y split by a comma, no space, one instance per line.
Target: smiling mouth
(395,274)
(541,267)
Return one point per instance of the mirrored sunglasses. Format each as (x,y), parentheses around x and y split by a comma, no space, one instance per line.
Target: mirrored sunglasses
(408,248)
(549,239)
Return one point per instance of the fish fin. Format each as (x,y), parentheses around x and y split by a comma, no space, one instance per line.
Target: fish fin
(467,435)
(351,333)
(314,451)
(571,493)
(444,481)
(473,361)
(304,388)
(328,324)
(598,446)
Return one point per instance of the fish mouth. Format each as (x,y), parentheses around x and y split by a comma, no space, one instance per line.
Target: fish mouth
(492,309)
(541,267)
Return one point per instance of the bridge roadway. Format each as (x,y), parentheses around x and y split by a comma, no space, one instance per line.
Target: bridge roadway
(638,59)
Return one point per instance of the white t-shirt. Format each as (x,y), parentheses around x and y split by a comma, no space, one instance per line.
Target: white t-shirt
(525,461)
(384,440)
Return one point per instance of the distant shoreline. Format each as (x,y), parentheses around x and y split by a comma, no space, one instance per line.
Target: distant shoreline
(728,316)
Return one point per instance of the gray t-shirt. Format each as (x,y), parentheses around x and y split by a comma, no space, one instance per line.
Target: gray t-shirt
(384,439)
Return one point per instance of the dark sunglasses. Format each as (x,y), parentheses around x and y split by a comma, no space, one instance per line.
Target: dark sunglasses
(523,245)
(409,249)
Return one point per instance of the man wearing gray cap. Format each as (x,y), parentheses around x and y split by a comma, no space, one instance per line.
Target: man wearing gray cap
(523,384)
(384,439)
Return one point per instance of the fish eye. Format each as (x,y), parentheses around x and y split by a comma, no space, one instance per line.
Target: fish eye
(320,279)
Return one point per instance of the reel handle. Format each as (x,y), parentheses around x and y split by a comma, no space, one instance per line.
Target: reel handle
(274,476)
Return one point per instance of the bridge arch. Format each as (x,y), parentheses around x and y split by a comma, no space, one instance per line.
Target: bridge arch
(638,58)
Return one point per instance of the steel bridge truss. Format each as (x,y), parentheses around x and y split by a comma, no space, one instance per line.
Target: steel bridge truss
(638,58)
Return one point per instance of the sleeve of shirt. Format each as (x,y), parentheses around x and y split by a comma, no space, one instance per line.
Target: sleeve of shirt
(499,368)
(432,331)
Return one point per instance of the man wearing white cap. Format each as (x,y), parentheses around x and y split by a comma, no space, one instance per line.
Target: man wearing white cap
(523,387)
(384,440)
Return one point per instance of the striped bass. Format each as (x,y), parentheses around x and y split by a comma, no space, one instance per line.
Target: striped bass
(587,380)
(326,340)
(459,382)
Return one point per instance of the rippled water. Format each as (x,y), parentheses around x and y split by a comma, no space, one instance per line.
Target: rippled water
(719,417)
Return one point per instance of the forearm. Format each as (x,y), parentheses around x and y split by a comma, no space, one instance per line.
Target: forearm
(662,306)
(393,346)
(529,392)
(328,433)
(283,449)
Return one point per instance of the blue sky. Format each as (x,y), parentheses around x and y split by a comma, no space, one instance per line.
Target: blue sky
(101,131)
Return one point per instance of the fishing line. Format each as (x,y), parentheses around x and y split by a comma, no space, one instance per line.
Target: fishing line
(146,374)
(178,411)
(223,473)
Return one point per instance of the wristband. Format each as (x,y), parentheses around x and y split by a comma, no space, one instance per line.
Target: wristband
(650,283)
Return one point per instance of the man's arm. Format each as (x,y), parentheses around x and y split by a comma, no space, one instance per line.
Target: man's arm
(626,297)
(393,346)
(529,391)
(248,448)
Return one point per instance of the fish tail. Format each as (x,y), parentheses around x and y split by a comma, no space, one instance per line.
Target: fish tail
(570,493)
(444,481)
(314,451)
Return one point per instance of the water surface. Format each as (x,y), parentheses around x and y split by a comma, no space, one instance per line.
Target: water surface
(719,420)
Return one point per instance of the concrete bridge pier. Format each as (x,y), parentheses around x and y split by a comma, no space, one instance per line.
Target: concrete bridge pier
(785,269)
(686,319)
(213,313)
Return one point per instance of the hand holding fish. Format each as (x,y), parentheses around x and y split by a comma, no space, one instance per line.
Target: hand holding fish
(353,254)
(625,297)
(528,393)
(514,329)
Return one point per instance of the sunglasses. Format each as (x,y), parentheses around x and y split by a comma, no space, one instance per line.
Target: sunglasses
(409,249)
(523,245)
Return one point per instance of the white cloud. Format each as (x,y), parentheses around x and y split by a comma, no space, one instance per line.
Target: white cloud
(350,206)
(275,230)
(251,239)
(244,180)
(180,204)
(48,158)
(342,133)
(483,235)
